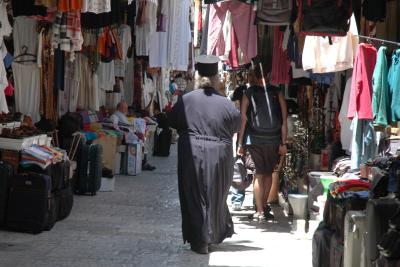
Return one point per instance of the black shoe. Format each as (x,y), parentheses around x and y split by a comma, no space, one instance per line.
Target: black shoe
(199,248)
(148,167)
(268,213)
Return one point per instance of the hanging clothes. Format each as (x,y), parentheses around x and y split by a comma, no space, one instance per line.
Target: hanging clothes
(280,60)
(380,84)
(48,97)
(334,54)
(27,8)
(345,123)
(88,97)
(363,146)
(69,5)
(67,33)
(68,99)
(243,17)
(4,84)
(27,92)
(25,35)
(179,35)
(96,6)
(146,25)
(394,85)
(46,3)
(158,51)
(124,33)
(5,27)
(361,89)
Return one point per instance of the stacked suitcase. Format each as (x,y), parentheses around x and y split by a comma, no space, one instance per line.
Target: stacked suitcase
(353,235)
(33,200)
(89,169)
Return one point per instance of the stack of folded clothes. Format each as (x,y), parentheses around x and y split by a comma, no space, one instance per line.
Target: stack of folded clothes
(41,156)
(347,188)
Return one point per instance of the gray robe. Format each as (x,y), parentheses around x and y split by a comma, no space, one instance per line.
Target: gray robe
(206,122)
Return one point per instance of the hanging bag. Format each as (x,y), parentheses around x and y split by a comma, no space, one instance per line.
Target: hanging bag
(240,178)
(325,17)
(275,12)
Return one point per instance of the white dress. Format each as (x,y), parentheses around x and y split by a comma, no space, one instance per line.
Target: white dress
(143,32)
(179,35)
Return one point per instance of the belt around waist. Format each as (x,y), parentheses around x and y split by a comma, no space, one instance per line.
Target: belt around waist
(210,138)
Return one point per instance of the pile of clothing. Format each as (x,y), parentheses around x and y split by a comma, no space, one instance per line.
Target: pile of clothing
(42,156)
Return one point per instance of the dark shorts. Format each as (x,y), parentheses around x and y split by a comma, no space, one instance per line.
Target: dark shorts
(265,158)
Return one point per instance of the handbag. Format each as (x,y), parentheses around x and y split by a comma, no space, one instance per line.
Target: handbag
(240,178)
(248,161)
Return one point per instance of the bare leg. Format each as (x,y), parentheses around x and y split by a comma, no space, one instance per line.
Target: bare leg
(259,193)
(267,189)
(273,195)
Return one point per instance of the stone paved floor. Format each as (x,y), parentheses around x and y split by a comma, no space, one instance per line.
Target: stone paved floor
(139,225)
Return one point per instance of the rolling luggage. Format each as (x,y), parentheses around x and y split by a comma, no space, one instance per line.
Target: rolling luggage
(6,172)
(30,204)
(89,169)
(162,142)
(64,197)
(354,229)
(379,212)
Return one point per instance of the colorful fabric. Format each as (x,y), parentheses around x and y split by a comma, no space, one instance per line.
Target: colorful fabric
(348,185)
(361,88)
(67,32)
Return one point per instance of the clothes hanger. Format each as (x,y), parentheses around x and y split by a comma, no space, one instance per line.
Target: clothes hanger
(25,53)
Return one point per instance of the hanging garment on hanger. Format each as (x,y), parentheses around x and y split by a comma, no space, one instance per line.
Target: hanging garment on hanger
(361,89)
(345,123)
(323,54)
(5,27)
(124,32)
(25,35)
(146,25)
(380,84)
(46,3)
(363,147)
(280,60)
(67,33)
(179,35)
(68,99)
(27,8)
(394,85)
(243,17)
(27,89)
(374,10)
(158,50)
(70,5)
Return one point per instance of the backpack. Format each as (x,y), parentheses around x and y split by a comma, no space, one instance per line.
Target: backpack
(325,17)
(264,118)
(275,12)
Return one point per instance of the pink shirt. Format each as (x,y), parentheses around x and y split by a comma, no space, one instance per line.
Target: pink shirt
(361,87)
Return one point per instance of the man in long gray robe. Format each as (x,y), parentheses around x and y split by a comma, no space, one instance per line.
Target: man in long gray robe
(206,123)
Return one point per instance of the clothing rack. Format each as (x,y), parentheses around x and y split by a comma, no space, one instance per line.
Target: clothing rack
(379,40)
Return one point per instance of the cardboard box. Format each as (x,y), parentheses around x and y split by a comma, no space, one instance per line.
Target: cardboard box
(109,144)
(133,159)
(107,184)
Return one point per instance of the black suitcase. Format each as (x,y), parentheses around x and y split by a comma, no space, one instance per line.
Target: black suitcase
(6,173)
(379,212)
(30,204)
(64,197)
(89,169)
(162,143)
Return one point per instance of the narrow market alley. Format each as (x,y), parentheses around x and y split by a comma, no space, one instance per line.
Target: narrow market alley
(139,225)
